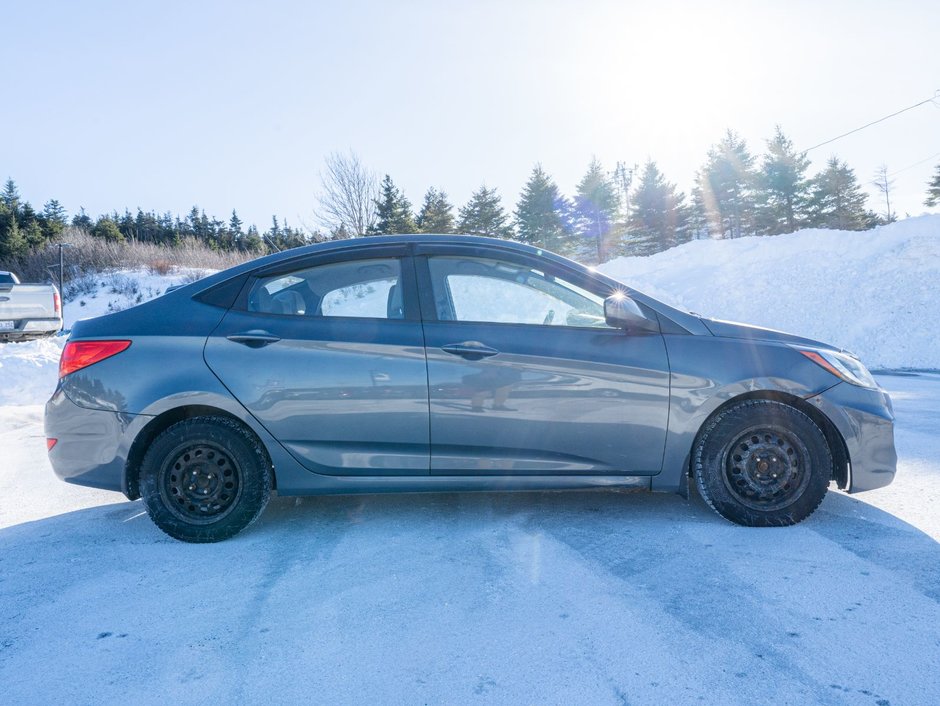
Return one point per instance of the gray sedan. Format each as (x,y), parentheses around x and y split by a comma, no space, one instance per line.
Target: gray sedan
(442,363)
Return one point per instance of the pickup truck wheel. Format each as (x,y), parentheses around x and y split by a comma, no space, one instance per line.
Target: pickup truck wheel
(762,463)
(205,479)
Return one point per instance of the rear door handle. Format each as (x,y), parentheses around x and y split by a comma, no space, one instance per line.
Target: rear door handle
(472,350)
(254,339)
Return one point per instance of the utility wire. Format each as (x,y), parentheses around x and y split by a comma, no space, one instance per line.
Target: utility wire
(915,164)
(935,97)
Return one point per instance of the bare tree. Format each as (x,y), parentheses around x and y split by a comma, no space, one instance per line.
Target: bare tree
(884,184)
(347,197)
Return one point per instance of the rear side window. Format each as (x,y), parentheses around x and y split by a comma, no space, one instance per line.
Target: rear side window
(357,288)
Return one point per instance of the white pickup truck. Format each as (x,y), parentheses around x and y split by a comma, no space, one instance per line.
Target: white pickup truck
(28,310)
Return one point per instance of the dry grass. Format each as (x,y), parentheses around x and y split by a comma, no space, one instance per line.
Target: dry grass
(88,255)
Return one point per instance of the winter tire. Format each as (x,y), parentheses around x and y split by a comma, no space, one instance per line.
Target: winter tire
(205,479)
(762,463)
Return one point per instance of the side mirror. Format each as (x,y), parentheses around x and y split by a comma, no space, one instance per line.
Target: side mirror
(622,312)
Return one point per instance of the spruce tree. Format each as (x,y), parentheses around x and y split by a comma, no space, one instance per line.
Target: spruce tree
(782,187)
(11,197)
(837,201)
(542,214)
(725,193)
(82,220)
(437,213)
(595,209)
(53,212)
(933,189)
(658,217)
(235,225)
(12,241)
(393,211)
(107,229)
(484,215)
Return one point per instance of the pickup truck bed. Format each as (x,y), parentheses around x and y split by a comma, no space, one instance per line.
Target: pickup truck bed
(28,310)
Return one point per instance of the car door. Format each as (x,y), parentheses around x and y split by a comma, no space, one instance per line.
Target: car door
(328,354)
(526,377)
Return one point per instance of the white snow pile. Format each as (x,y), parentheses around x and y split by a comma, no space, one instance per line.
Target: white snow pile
(28,371)
(875,293)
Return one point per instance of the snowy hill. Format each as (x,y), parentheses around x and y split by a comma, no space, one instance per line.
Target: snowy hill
(875,293)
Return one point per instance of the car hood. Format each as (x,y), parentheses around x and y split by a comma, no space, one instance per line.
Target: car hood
(732,329)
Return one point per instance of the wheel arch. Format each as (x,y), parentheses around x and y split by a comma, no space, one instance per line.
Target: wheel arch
(164,421)
(837,446)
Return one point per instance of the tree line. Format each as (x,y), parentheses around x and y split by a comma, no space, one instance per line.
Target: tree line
(23,228)
(630,210)
(627,211)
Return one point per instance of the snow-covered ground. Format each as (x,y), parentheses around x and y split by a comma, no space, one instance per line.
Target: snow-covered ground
(576,597)
(875,293)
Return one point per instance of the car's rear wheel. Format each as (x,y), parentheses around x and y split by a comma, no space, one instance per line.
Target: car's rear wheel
(762,463)
(205,479)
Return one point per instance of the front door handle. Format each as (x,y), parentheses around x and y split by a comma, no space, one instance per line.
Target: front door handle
(254,339)
(472,350)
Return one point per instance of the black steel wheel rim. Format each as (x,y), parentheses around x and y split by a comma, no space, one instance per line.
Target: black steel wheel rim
(200,483)
(766,468)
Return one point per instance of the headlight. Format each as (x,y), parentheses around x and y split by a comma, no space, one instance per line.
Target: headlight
(842,365)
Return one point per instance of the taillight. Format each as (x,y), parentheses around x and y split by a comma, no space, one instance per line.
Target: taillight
(50,444)
(80,354)
(57,303)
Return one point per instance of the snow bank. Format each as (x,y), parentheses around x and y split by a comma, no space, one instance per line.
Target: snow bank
(875,293)
(28,371)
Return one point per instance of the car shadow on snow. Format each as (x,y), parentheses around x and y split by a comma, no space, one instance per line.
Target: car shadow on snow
(624,531)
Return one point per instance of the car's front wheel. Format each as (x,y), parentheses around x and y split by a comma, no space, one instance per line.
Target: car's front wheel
(205,479)
(762,463)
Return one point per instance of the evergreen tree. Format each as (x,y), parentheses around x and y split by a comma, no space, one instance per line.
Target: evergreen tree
(595,209)
(933,189)
(837,201)
(393,211)
(12,241)
(81,220)
(107,229)
(253,242)
(725,194)
(542,214)
(782,187)
(437,214)
(54,219)
(11,197)
(235,225)
(658,216)
(484,215)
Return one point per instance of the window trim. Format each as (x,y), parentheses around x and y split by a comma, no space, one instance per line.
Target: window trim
(408,280)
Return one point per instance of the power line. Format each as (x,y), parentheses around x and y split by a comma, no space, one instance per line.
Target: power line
(932,99)
(915,164)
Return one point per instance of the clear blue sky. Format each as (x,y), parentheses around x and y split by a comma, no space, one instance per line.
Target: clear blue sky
(233,104)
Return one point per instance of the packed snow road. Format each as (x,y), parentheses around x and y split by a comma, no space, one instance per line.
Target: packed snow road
(576,597)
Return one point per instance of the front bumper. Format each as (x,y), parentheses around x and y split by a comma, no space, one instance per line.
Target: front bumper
(91,443)
(865,419)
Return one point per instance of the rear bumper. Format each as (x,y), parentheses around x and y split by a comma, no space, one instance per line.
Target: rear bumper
(90,448)
(31,328)
(865,418)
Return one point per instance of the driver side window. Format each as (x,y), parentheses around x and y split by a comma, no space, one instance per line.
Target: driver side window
(494,291)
